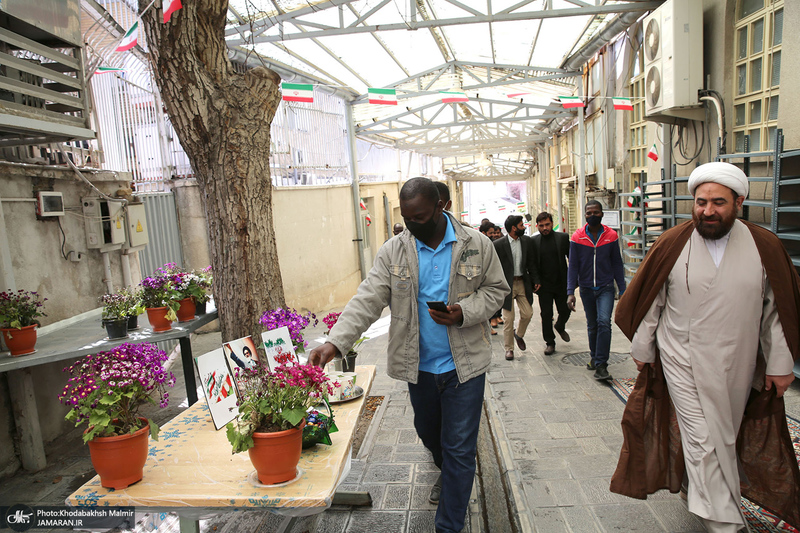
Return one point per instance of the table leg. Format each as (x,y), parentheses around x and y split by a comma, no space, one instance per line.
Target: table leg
(188,525)
(26,417)
(188,369)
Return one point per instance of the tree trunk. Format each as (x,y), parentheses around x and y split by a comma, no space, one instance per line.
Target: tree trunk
(222,120)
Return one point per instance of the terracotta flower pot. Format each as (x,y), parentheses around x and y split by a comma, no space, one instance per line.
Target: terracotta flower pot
(20,341)
(119,461)
(157,316)
(275,455)
(186,310)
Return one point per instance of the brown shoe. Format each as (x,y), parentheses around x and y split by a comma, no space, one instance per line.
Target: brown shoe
(563,334)
(550,349)
(509,355)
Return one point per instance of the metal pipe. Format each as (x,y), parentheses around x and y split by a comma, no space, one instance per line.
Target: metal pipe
(718,107)
(125,261)
(351,141)
(107,273)
(580,199)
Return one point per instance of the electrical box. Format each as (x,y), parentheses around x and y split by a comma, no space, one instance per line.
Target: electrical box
(104,222)
(136,225)
(49,204)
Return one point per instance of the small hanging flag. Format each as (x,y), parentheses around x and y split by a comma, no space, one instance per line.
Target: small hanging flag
(170,7)
(633,201)
(653,153)
(103,70)
(368,219)
(362,204)
(297,92)
(464,214)
(130,39)
(516,95)
(571,101)
(501,207)
(382,96)
(482,211)
(520,206)
(622,103)
(448,97)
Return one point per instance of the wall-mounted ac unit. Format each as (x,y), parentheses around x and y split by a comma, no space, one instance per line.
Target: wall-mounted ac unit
(673,59)
(564,171)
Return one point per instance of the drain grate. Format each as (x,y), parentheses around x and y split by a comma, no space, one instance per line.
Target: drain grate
(582,358)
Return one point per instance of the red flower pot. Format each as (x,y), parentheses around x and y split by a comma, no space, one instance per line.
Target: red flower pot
(20,341)
(157,316)
(275,455)
(186,310)
(119,461)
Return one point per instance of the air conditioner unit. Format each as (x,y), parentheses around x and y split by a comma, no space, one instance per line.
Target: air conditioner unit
(673,61)
(564,171)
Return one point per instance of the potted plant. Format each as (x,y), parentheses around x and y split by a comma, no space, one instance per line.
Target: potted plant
(18,320)
(133,300)
(205,280)
(296,322)
(160,300)
(116,310)
(346,363)
(272,413)
(105,391)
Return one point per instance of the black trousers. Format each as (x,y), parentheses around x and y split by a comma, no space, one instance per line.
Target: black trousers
(546,300)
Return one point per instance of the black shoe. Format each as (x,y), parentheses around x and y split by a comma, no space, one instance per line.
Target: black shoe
(590,365)
(550,349)
(520,341)
(436,491)
(602,373)
(563,334)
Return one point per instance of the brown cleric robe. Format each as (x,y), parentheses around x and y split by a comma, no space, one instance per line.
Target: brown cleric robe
(652,457)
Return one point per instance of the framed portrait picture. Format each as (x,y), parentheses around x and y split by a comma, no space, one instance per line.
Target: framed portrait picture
(241,355)
(218,386)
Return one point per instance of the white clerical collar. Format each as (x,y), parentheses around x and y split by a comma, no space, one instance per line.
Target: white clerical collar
(716,247)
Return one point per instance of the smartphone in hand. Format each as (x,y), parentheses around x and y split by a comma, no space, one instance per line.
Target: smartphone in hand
(438,306)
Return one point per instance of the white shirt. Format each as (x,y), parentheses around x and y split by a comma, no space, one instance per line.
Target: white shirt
(716,247)
(516,254)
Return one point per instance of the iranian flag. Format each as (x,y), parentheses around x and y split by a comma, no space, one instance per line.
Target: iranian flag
(362,204)
(517,95)
(501,208)
(170,7)
(482,211)
(464,214)
(571,101)
(297,92)
(368,219)
(103,70)
(622,103)
(653,153)
(382,96)
(448,97)
(520,206)
(130,38)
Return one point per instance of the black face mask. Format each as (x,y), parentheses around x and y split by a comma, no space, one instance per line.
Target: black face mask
(594,220)
(422,230)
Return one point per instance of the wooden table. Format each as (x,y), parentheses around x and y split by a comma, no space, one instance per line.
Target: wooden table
(191,471)
(69,340)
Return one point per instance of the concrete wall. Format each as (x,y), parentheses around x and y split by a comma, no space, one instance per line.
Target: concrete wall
(315,232)
(71,288)
(373,194)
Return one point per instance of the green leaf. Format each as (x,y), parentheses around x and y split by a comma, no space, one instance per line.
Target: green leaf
(154,429)
(108,399)
(99,418)
(294,416)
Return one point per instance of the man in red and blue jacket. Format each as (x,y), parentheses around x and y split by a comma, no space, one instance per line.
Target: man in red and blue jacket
(594,263)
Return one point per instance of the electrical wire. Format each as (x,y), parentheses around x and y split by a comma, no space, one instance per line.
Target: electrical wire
(64,239)
(77,172)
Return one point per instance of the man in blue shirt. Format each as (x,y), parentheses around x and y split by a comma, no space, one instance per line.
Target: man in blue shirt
(443,355)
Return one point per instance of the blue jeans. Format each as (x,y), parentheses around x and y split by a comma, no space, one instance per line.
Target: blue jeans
(447,416)
(597,304)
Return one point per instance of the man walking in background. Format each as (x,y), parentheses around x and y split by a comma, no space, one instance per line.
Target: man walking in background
(519,266)
(594,263)
(551,249)
(442,355)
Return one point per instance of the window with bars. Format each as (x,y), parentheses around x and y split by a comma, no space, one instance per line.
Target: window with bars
(638,125)
(757,63)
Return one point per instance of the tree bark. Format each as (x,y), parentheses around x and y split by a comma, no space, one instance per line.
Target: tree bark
(223,119)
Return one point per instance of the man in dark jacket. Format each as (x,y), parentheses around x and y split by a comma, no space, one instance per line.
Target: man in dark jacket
(595,262)
(519,266)
(551,248)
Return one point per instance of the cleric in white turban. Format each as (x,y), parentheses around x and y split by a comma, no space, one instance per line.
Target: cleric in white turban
(714,299)
(725,174)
